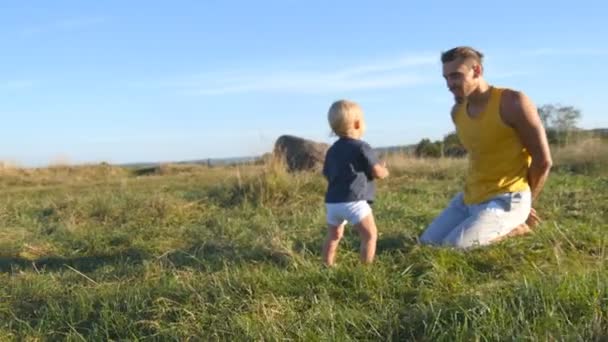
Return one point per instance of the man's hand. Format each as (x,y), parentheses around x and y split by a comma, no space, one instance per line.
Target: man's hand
(518,111)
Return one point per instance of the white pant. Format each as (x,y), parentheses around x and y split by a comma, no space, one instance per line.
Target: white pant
(352,212)
(463,226)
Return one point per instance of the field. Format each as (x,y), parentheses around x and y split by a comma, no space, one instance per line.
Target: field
(233,253)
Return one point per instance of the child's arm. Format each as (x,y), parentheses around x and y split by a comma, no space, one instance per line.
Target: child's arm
(375,168)
(379,171)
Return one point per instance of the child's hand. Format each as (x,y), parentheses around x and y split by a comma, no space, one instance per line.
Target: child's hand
(380,171)
(385,168)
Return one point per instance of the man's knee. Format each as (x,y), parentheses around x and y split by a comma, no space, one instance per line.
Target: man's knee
(463,238)
(466,244)
(448,220)
(426,238)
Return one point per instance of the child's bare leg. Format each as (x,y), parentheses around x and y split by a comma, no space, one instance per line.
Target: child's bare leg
(334,235)
(368,234)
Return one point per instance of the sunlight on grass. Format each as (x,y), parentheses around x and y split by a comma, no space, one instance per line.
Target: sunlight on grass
(184,252)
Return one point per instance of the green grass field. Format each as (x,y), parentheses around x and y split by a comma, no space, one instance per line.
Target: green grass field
(197,253)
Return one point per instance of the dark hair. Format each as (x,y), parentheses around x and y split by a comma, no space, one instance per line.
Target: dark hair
(461,52)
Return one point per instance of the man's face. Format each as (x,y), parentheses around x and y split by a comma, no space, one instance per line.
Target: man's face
(461,77)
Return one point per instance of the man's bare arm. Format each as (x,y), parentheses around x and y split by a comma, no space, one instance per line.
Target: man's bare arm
(518,111)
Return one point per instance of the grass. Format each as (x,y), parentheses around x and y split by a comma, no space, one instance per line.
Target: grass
(233,253)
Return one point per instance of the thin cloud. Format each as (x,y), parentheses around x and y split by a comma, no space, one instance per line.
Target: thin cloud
(591,52)
(400,72)
(407,62)
(70,24)
(17,84)
(307,83)
(77,23)
(510,74)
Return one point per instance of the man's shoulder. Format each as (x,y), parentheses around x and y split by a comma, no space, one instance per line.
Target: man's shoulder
(513,104)
(511,98)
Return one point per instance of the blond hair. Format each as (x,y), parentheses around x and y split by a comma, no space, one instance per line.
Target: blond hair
(342,116)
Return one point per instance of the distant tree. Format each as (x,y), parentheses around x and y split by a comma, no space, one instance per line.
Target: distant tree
(452,146)
(426,148)
(560,122)
(566,118)
(545,112)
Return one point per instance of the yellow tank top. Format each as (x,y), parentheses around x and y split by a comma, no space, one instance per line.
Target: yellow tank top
(498,162)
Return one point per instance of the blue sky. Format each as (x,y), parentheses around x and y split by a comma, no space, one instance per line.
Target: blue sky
(129,81)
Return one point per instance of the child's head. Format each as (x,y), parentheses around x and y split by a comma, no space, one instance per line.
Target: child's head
(346,119)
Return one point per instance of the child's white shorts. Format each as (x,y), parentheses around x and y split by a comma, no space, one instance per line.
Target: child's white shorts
(351,212)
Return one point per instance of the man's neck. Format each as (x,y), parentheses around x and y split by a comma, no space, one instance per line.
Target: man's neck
(481,95)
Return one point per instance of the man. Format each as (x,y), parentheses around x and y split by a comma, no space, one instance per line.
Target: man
(509,158)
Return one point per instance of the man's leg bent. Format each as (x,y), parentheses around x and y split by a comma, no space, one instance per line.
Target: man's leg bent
(446,222)
(491,221)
